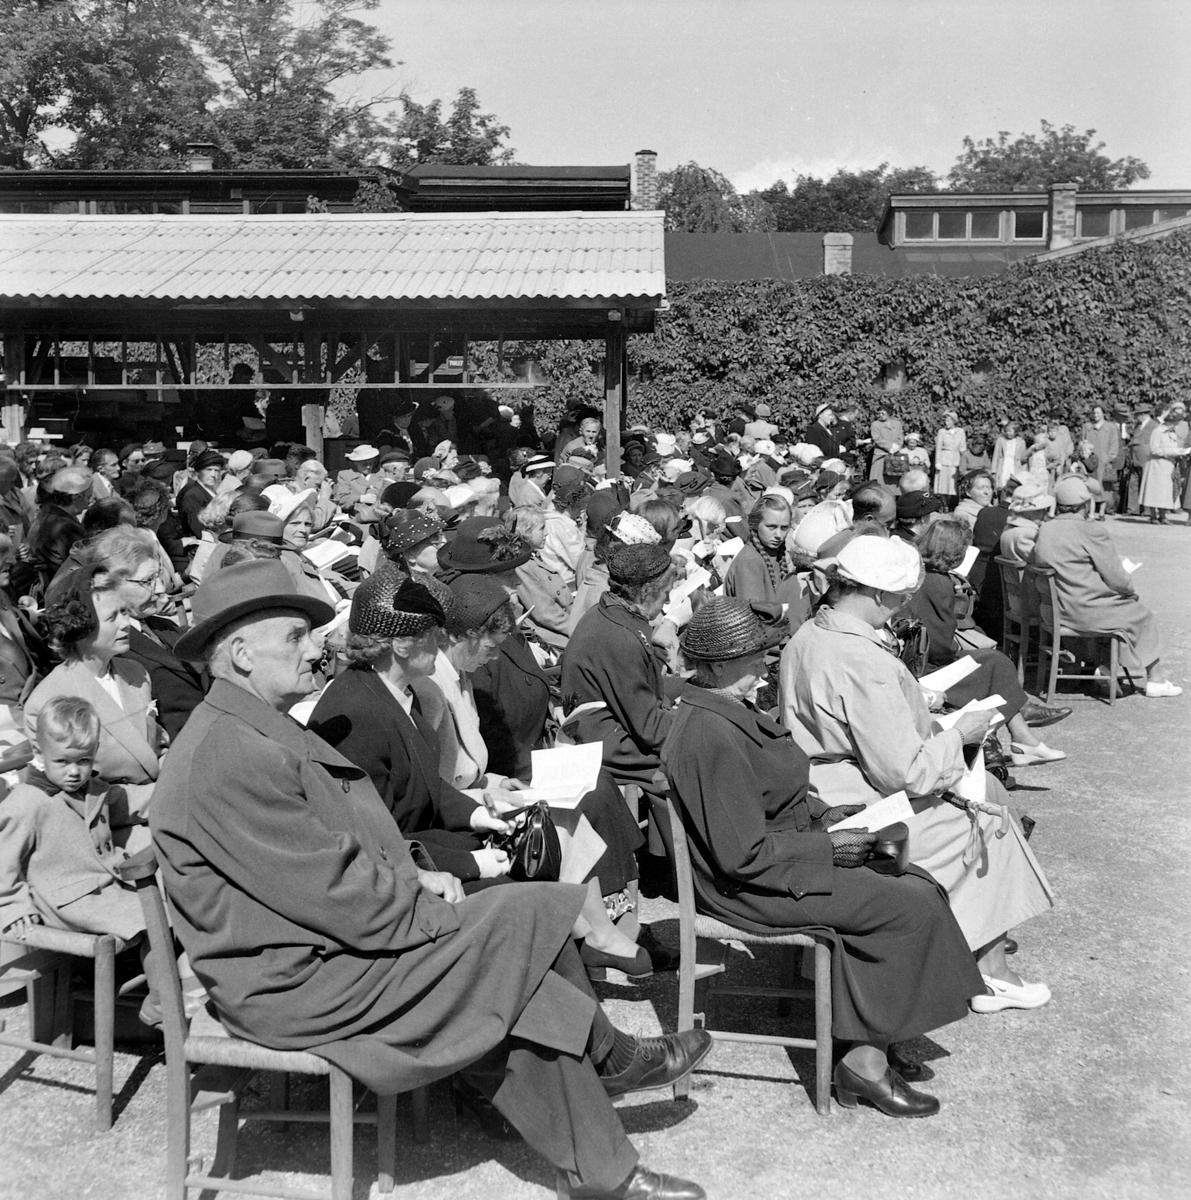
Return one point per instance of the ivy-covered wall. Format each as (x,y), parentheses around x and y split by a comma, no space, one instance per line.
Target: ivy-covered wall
(1108,326)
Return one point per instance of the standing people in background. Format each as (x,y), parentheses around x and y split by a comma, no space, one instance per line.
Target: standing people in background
(1139,443)
(917,455)
(1104,438)
(1122,422)
(761,426)
(950,444)
(1009,453)
(1060,448)
(1158,476)
(821,432)
(976,456)
(887,436)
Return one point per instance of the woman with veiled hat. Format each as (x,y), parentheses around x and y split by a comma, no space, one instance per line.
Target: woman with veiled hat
(375,713)
(862,719)
(764,860)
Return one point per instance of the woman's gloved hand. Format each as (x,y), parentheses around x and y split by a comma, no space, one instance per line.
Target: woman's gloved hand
(851,847)
(841,812)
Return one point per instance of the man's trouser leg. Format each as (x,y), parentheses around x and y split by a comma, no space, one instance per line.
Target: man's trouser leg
(555,1099)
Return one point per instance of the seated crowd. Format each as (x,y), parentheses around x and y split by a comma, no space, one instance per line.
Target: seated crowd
(316,694)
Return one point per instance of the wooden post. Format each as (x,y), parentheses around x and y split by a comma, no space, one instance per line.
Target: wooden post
(14,369)
(614,372)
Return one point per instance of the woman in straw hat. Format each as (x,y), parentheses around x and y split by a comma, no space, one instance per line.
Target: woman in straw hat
(764,859)
(862,719)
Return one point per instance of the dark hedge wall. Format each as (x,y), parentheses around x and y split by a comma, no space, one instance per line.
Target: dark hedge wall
(1108,326)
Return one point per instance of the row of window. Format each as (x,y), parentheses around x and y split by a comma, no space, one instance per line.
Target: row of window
(1024,224)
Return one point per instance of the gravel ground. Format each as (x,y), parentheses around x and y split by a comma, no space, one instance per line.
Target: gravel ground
(1086,1098)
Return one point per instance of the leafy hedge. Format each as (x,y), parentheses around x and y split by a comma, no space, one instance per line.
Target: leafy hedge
(1107,326)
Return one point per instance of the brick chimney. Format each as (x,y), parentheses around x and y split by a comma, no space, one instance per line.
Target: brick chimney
(646,195)
(201,156)
(1062,214)
(837,254)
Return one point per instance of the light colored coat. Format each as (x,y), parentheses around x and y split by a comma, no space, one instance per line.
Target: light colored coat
(862,720)
(1095,592)
(58,860)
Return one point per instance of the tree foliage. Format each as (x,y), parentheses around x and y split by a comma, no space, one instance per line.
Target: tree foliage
(1034,161)
(127,83)
(701,200)
(848,202)
(466,138)
(1110,325)
(279,73)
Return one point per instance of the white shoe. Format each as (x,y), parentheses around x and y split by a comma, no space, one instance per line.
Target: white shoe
(1031,756)
(1156,690)
(1002,994)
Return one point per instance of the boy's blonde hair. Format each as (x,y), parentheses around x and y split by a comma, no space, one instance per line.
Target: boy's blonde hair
(71,720)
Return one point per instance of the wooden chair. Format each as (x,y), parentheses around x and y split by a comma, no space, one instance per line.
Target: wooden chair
(703,951)
(52,996)
(1021,614)
(1052,632)
(227,1065)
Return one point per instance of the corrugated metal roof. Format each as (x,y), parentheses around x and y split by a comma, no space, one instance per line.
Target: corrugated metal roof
(389,256)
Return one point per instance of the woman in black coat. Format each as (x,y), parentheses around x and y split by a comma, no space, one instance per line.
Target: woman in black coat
(943,545)
(764,860)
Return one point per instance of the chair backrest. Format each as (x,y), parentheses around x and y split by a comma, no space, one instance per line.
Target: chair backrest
(1043,579)
(1011,589)
(162,965)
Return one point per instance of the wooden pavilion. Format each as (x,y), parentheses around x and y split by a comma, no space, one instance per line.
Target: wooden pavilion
(315,295)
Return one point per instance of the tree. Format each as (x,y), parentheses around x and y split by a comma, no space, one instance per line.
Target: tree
(35,37)
(1032,162)
(467,138)
(134,89)
(279,74)
(701,200)
(132,81)
(848,202)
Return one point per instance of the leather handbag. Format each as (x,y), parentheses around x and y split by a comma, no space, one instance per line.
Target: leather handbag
(535,853)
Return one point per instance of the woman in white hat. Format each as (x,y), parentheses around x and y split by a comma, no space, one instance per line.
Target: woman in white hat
(862,719)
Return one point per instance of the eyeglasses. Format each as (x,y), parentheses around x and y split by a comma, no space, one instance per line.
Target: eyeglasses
(148,582)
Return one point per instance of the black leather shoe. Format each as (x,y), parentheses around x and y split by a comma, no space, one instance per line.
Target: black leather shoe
(663,958)
(1038,715)
(660,1061)
(910,1071)
(891,1094)
(1010,948)
(644,1184)
(597,962)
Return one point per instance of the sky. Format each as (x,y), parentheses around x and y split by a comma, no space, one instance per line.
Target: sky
(769,89)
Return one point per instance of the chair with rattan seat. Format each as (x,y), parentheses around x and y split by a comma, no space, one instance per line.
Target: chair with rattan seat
(48,973)
(227,1064)
(1053,631)
(703,948)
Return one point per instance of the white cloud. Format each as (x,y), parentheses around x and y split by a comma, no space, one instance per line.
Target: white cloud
(769,170)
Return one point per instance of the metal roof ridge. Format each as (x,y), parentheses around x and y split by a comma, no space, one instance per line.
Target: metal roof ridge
(584,215)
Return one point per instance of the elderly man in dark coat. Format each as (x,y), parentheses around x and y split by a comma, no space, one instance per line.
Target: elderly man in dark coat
(307,919)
